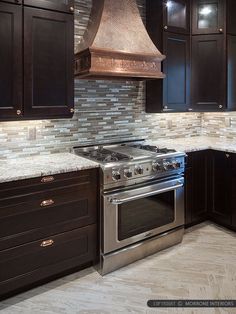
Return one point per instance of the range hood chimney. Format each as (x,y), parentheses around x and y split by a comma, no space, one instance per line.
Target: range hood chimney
(116,45)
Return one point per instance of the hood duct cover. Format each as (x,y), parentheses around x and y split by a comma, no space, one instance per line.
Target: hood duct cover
(116,44)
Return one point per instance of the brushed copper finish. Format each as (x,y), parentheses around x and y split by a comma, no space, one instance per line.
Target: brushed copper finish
(116,44)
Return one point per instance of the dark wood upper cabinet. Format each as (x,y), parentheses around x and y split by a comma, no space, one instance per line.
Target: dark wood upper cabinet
(40,83)
(208,72)
(176,85)
(176,16)
(212,55)
(11,61)
(231,21)
(208,17)
(56,5)
(231,72)
(48,63)
(172,93)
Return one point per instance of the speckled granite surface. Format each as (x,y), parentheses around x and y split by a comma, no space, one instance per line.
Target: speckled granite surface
(196,143)
(37,166)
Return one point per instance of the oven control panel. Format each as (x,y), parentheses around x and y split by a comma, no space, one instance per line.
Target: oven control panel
(135,171)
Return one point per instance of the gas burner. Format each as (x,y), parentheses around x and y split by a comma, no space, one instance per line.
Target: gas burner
(154,149)
(104,155)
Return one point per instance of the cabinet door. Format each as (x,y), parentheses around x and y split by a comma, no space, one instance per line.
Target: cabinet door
(233,189)
(57,5)
(231,73)
(208,17)
(176,91)
(34,261)
(231,21)
(221,175)
(12,1)
(154,24)
(11,61)
(48,62)
(176,17)
(208,72)
(196,187)
(189,203)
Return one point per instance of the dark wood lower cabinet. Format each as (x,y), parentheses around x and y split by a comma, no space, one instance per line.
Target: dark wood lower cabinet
(47,228)
(210,188)
(196,180)
(220,187)
(28,263)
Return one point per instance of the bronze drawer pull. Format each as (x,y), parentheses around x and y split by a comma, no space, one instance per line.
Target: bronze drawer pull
(47,203)
(47,243)
(47,179)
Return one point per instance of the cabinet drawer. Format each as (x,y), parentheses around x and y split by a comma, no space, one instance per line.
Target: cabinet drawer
(30,217)
(22,187)
(37,260)
(66,6)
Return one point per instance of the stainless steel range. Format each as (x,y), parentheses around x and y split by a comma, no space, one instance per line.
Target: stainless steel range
(142,200)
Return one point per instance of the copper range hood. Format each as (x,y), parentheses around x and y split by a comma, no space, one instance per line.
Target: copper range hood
(116,44)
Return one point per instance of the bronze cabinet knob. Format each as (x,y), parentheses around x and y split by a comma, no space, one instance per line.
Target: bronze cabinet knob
(221,30)
(47,243)
(47,179)
(72,9)
(47,203)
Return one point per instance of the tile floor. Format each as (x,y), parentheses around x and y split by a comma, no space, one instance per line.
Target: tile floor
(203,266)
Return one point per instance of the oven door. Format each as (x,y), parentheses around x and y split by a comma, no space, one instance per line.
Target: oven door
(133,215)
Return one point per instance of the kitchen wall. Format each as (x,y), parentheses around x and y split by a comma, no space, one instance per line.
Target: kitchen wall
(105,111)
(221,125)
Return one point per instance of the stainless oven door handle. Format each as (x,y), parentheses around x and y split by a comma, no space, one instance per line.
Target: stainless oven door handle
(117,201)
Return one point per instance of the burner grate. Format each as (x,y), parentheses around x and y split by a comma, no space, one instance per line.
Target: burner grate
(153,148)
(105,155)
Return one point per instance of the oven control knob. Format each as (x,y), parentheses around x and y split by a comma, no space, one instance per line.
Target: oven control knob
(156,166)
(116,175)
(168,166)
(138,170)
(128,173)
(176,164)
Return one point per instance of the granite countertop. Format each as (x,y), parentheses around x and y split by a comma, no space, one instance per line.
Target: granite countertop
(196,143)
(42,165)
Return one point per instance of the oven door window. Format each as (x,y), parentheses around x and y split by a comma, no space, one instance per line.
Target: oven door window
(142,215)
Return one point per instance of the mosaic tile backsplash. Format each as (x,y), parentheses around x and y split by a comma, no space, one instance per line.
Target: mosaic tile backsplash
(104,111)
